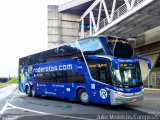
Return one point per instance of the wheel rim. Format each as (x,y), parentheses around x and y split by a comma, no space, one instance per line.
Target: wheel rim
(27,91)
(84,97)
(33,92)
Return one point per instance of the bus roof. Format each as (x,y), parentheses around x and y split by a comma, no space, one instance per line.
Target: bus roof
(69,42)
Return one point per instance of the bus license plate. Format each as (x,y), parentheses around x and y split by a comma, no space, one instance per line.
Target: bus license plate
(134,100)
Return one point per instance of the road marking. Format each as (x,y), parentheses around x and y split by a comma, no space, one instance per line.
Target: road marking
(10,106)
(152,89)
(4,108)
(6,91)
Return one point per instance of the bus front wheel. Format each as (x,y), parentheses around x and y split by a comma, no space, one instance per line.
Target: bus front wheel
(83,96)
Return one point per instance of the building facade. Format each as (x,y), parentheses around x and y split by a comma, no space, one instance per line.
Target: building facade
(64,25)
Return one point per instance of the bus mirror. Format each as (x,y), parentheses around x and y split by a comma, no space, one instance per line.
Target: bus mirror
(147,60)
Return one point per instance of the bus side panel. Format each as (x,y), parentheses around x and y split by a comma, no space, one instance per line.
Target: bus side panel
(99,93)
(61,90)
(56,89)
(40,88)
(70,90)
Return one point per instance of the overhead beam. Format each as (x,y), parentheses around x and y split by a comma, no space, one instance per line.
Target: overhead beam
(90,8)
(129,13)
(99,15)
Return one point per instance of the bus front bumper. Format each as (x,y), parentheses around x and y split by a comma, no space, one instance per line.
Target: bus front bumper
(119,98)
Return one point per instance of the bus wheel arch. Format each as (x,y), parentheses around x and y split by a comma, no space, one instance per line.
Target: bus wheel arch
(33,92)
(82,95)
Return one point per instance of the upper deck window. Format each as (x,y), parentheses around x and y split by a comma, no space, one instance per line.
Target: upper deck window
(120,47)
(91,46)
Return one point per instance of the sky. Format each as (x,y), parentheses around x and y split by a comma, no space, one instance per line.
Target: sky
(23,31)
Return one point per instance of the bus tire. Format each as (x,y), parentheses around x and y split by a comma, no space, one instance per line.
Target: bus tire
(28,92)
(83,97)
(33,92)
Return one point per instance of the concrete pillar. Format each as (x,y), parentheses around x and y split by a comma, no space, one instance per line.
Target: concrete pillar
(54,27)
(147,44)
(144,67)
(62,27)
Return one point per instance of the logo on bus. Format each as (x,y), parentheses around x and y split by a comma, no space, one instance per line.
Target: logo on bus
(103,93)
(53,68)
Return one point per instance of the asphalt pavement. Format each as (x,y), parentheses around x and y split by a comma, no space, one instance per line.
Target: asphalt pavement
(150,104)
(17,105)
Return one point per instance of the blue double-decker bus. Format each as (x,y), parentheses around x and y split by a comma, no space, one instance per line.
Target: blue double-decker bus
(100,69)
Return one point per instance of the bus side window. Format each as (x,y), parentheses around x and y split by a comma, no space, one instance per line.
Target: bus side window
(75,77)
(70,51)
(99,70)
(61,76)
(80,78)
(71,76)
(108,77)
(52,55)
(95,47)
(53,77)
(38,77)
(102,76)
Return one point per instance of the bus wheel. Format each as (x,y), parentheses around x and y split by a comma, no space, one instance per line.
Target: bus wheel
(83,96)
(33,93)
(28,92)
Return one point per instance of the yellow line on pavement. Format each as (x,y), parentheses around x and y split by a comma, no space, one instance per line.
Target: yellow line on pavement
(152,89)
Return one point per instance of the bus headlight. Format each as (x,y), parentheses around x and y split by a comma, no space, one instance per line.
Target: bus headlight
(143,90)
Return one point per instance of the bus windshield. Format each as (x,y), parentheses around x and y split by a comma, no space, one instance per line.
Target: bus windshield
(120,47)
(128,75)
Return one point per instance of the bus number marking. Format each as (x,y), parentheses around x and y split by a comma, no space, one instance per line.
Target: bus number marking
(92,86)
